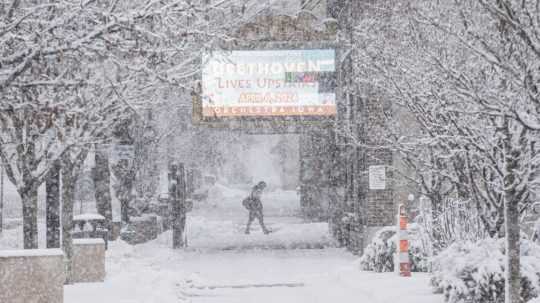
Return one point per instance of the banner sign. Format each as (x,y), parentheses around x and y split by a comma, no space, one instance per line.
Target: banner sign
(269,83)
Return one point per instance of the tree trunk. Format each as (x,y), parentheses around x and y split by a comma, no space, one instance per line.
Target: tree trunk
(1,197)
(511,213)
(30,228)
(68,195)
(178,198)
(102,177)
(513,278)
(52,185)
(436,211)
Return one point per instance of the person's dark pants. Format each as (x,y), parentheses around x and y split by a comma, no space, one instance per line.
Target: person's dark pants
(256,214)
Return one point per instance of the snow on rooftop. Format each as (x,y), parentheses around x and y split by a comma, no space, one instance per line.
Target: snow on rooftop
(30,253)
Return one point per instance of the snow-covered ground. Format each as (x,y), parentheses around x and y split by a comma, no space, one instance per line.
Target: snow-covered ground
(223,265)
(220,222)
(154,273)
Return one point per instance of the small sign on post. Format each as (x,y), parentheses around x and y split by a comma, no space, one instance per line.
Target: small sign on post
(377,177)
(403,243)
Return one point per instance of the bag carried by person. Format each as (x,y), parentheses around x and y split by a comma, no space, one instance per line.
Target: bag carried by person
(248,203)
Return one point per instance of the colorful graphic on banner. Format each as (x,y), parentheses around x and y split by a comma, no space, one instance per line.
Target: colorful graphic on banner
(269,83)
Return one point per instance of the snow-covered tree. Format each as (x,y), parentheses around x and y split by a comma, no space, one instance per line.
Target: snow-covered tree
(70,70)
(465,76)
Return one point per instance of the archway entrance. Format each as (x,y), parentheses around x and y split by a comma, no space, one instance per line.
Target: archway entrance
(264,87)
(218,218)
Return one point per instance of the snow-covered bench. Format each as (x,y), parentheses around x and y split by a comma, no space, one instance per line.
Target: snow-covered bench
(32,275)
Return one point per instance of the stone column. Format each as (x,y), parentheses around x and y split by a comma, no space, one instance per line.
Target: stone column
(32,275)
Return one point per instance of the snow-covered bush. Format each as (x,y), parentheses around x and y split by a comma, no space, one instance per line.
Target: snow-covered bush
(473,272)
(379,254)
(450,220)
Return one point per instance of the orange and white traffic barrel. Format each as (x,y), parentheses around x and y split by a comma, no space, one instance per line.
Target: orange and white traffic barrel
(403,243)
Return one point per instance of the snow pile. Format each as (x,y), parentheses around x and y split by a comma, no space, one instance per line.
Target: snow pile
(473,272)
(135,274)
(379,254)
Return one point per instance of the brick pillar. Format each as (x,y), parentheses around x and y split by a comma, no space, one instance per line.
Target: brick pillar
(320,171)
(375,198)
(310,176)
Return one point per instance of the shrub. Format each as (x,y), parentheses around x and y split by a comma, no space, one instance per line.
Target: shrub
(452,220)
(379,254)
(473,272)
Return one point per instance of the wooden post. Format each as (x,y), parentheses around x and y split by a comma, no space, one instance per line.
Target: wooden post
(177,194)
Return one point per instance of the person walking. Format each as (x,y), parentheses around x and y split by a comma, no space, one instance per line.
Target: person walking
(254,205)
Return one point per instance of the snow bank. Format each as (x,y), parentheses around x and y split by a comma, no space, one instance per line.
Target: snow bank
(135,275)
(473,272)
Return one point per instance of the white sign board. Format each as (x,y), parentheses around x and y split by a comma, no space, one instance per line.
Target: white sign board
(269,83)
(377,177)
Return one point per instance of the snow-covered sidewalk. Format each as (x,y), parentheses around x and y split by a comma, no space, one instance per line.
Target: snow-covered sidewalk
(228,234)
(152,273)
(219,224)
(223,265)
